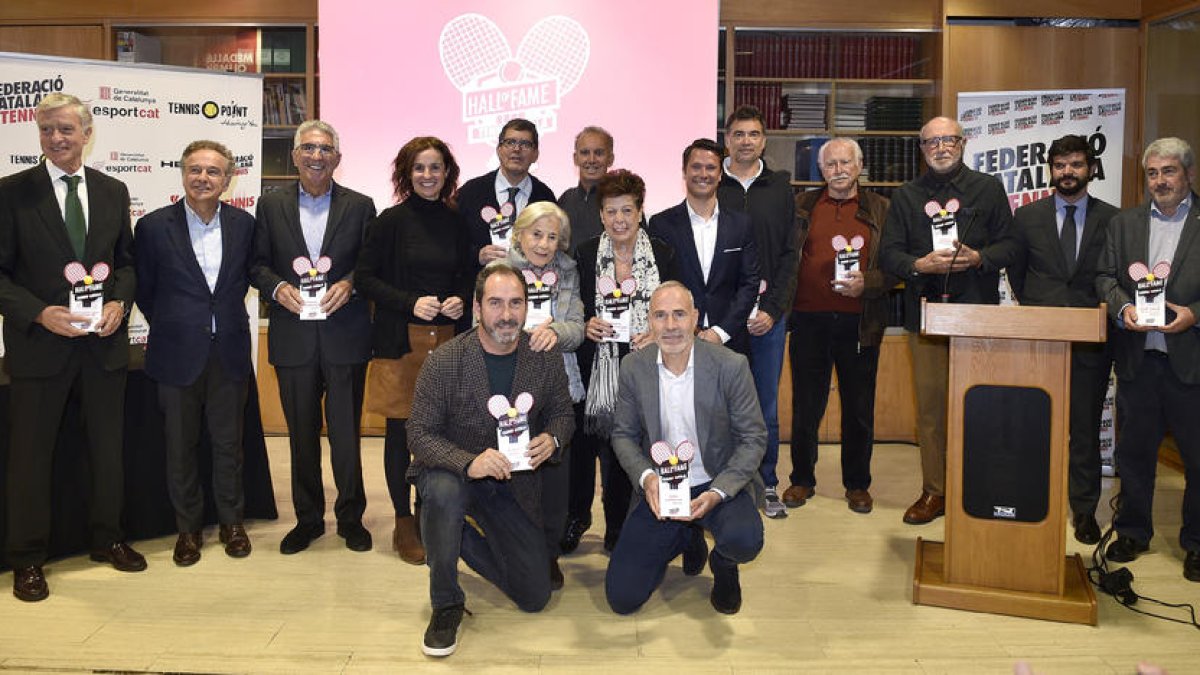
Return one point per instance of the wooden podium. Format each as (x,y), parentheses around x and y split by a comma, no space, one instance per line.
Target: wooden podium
(994,560)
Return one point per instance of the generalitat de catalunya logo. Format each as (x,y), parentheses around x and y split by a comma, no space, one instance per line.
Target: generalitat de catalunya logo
(497,85)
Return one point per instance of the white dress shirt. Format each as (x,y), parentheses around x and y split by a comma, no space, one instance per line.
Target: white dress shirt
(525,188)
(704,232)
(60,190)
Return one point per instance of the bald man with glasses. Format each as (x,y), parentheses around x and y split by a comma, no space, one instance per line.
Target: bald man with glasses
(947,236)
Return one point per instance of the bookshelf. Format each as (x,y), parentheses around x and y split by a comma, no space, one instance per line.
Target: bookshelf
(877,87)
(285,55)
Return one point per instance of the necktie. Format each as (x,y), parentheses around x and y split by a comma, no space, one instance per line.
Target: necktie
(1067,237)
(76,227)
(512,198)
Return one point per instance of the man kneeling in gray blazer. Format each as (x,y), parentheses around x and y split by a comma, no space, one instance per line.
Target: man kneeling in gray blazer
(684,402)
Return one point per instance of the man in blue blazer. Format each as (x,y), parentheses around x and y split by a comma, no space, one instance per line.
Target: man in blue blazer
(715,250)
(681,390)
(193,263)
(51,216)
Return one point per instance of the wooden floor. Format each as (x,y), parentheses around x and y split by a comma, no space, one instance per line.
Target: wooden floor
(831,592)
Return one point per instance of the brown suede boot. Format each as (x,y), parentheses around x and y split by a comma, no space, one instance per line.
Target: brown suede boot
(407,541)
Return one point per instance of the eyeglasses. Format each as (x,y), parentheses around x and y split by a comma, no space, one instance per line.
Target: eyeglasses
(310,148)
(512,143)
(936,141)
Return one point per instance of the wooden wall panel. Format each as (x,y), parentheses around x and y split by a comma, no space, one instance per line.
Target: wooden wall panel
(854,14)
(74,11)
(1154,9)
(85,41)
(1090,9)
(1000,58)
(1172,89)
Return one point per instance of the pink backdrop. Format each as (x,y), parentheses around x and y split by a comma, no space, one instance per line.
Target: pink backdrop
(643,70)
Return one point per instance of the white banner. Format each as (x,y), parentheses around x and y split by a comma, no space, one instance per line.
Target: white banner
(143,117)
(1008,134)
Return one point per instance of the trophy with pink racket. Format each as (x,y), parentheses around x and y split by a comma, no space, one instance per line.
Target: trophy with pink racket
(87,293)
(847,257)
(944,221)
(1150,299)
(499,222)
(539,295)
(671,467)
(512,428)
(614,306)
(314,283)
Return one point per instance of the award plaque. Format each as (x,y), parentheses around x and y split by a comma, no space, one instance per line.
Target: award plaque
(1150,300)
(671,467)
(512,428)
(87,293)
(944,221)
(313,285)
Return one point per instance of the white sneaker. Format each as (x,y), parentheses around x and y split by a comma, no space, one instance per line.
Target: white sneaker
(774,508)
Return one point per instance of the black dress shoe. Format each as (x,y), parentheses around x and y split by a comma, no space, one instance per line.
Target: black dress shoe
(1191,566)
(726,594)
(696,553)
(574,532)
(357,537)
(237,542)
(121,556)
(1087,530)
(556,575)
(187,549)
(300,537)
(1125,549)
(29,584)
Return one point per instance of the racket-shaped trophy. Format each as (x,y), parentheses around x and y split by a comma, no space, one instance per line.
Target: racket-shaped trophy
(674,490)
(944,221)
(314,282)
(499,222)
(539,295)
(512,428)
(614,305)
(847,257)
(87,293)
(1150,301)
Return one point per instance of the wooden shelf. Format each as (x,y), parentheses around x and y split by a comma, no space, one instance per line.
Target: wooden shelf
(835,80)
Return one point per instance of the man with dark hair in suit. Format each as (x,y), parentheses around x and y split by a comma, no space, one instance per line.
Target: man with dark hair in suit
(714,248)
(193,270)
(320,350)
(946,236)
(477,506)
(490,203)
(750,186)
(1158,363)
(1058,241)
(54,218)
(679,392)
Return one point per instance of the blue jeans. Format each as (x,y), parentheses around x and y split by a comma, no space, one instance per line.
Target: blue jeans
(766,365)
(511,554)
(647,545)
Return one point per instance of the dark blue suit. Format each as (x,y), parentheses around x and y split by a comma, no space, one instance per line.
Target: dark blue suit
(201,374)
(727,297)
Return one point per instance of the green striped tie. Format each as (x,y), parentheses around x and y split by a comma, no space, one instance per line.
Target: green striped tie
(76,226)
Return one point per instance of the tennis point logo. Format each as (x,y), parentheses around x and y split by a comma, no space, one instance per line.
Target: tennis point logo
(498,86)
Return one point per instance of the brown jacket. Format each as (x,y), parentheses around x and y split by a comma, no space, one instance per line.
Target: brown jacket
(872,209)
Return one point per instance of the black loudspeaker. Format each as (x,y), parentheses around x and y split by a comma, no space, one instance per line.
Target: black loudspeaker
(1006,453)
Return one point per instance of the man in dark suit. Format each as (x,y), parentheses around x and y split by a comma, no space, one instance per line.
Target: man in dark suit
(715,250)
(1158,366)
(54,215)
(1059,240)
(324,353)
(454,433)
(483,200)
(193,269)
(683,390)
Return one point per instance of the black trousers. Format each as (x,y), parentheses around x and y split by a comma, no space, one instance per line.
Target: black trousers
(220,401)
(1151,403)
(300,391)
(1090,367)
(37,407)
(820,342)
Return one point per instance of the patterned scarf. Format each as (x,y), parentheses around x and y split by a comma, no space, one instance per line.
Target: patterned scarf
(602,389)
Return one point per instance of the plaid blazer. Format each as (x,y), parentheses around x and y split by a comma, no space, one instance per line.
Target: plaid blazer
(450,424)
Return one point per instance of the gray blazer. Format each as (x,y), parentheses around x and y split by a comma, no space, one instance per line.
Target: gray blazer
(1128,242)
(729,421)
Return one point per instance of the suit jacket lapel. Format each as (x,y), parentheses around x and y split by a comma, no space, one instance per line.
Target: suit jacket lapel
(47,208)
(687,241)
(181,239)
(1139,237)
(292,217)
(1190,224)
(723,243)
(1054,237)
(700,400)
(337,206)
(227,250)
(649,396)
(1090,225)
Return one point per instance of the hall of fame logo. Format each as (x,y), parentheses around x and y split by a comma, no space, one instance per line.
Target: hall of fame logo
(498,86)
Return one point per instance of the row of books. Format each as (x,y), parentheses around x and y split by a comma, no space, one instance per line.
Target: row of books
(894,113)
(827,56)
(766,97)
(805,111)
(284,102)
(885,159)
